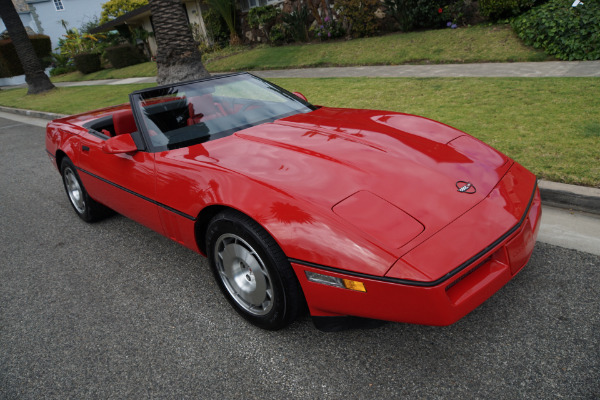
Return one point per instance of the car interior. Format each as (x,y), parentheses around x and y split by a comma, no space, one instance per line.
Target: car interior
(179,116)
(167,115)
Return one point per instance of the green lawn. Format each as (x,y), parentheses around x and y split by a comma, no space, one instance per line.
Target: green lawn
(550,125)
(443,46)
(133,71)
(70,100)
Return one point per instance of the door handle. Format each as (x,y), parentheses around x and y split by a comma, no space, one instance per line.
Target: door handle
(85,148)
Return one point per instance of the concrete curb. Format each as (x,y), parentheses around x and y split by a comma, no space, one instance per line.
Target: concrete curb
(30,113)
(556,194)
(581,198)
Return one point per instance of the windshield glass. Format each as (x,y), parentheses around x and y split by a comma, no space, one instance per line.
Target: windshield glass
(185,114)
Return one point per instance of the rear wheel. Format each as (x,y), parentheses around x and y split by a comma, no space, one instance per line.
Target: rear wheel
(87,209)
(252,271)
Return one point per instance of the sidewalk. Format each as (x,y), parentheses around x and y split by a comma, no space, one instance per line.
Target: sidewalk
(97,82)
(522,69)
(557,69)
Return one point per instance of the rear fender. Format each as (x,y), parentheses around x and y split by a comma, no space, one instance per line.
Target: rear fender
(62,139)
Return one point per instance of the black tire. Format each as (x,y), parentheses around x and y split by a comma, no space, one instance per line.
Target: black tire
(87,208)
(252,271)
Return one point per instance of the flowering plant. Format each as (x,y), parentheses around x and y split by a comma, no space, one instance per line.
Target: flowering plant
(461,13)
(75,42)
(330,29)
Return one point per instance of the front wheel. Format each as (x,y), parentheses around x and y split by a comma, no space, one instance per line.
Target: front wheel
(252,271)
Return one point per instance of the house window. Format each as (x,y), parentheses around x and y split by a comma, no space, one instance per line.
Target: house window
(248,4)
(58,4)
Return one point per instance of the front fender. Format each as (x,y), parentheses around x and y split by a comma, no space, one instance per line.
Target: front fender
(303,230)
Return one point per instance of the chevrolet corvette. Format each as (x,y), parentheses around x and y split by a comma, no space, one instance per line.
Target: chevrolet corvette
(349,213)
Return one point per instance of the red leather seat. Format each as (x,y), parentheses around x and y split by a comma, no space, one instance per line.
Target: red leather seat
(124,122)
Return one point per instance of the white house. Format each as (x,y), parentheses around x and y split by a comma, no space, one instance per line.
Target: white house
(142,17)
(45,16)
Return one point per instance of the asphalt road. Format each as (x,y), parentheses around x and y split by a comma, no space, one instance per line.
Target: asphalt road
(114,310)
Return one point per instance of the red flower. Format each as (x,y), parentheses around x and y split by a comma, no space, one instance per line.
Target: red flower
(440,11)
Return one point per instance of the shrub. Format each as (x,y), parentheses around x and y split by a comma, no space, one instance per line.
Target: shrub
(568,33)
(43,48)
(264,15)
(329,30)
(9,60)
(263,18)
(279,34)
(500,9)
(359,15)
(415,14)
(297,23)
(115,8)
(74,42)
(123,55)
(400,11)
(62,64)
(87,62)
(227,10)
(462,12)
(62,70)
(216,27)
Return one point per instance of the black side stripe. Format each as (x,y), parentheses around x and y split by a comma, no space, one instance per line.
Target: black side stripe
(182,214)
(437,281)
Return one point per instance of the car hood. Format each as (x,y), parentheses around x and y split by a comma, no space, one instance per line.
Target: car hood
(345,160)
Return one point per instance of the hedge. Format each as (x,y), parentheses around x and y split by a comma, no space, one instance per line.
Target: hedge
(499,9)
(9,60)
(123,56)
(566,32)
(87,63)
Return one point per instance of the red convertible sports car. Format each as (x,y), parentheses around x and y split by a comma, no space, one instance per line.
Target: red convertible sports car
(355,213)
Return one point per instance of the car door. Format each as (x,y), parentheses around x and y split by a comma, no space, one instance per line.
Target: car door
(123,182)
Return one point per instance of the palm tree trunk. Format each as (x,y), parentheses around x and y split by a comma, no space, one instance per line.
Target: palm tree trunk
(178,58)
(37,80)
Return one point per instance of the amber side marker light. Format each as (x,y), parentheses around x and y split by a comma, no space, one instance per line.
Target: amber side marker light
(337,282)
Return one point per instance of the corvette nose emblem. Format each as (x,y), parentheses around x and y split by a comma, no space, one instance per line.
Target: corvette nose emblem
(465,187)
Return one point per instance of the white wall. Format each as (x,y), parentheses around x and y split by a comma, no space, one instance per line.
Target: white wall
(76,13)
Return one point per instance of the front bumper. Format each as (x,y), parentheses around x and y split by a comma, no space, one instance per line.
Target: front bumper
(439,302)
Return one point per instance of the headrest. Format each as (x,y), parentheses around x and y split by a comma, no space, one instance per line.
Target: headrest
(124,122)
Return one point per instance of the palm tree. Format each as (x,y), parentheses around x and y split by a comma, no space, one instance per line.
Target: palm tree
(178,58)
(37,80)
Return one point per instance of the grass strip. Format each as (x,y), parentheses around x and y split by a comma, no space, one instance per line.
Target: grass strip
(550,125)
(133,71)
(70,100)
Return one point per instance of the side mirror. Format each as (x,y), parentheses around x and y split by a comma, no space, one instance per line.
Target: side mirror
(119,144)
(298,94)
